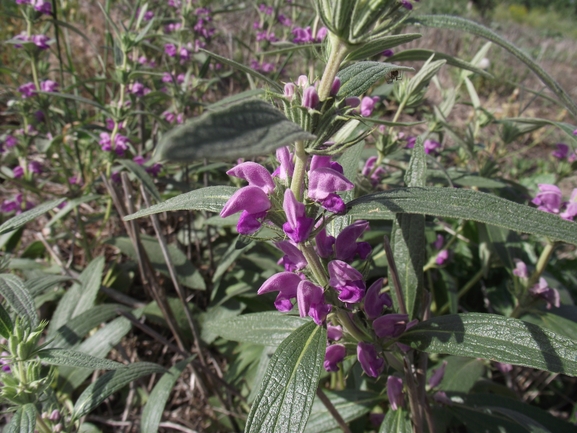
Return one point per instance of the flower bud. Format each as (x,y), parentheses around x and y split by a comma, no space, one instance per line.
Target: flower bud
(336,86)
(372,364)
(289,90)
(310,97)
(334,354)
(395,392)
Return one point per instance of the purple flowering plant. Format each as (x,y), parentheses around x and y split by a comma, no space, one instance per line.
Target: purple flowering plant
(362,247)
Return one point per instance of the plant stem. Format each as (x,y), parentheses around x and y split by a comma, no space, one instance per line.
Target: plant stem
(541,263)
(315,265)
(339,50)
(299,171)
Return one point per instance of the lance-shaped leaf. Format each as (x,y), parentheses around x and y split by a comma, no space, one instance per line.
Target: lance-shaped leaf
(397,421)
(19,220)
(73,358)
(144,178)
(467,204)
(498,338)
(211,199)
(408,238)
(6,324)
(152,413)
(420,54)
(456,23)
(109,383)
(23,421)
(287,392)
(268,329)
(245,129)
(359,77)
(536,123)
(13,290)
(377,46)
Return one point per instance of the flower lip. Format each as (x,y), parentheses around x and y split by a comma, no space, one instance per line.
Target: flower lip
(250,198)
(255,174)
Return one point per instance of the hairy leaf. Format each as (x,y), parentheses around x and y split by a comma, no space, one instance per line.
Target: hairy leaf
(421,54)
(268,328)
(467,204)
(19,220)
(359,77)
(23,421)
(212,199)
(73,358)
(13,290)
(109,383)
(377,46)
(287,392)
(397,421)
(6,325)
(241,130)
(497,338)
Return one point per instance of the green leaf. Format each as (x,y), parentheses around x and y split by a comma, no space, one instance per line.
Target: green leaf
(152,412)
(461,374)
(523,420)
(420,54)
(423,77)
(242,130)
(6,325)
(143,177)
(483,420)
(268,329)
(467,204)
(463,178)
(72,332)
(497,338)
(553,322)
(359,77)
(73,358)
(98,345)
(287,392)
(397,421)
(245,69)
(350,404)
(212,199)
(456,23)
(536,123)
(108,384)
(377,46)
(19,220)
(186,273)
(38,284)
(23,421)
(89,280)
(70,205)
(16,295)
(408,239)
(76,98)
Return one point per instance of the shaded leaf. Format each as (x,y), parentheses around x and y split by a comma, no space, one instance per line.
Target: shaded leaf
(397,421)
(377,46)
(467,204)
(13,290)
(497,338)
(144,178)
(461,374)
(359,77)
(6,325)
(421,54)
(241,130)
(108,384)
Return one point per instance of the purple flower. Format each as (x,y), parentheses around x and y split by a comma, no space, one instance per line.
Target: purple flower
(548,199)
(255,174)
(169,116)
(561,152)
(302,36)
(407,4)
(520,269)
(375,300)
(42,6)
(284,20)
(75,180)
(431,146)
(267,10)
(136,88)
(154,169)
(441,397)
(346,246)
(28,90)
(120,144)
(571,210)
(311,302)
(439,242)
(334,333)
(17,172)
(35,167)
(10,141)
(550,295)
(105,142)
(298,226)
(390,325)
(310,97)
(170,50)
(293,260)
(286,283)
(442,258)
(347,281)
(49,86)
(324,244)
(148,15)
(254,203)
(437,376)
(286,168)
(184,55)
(352,101)
(503,367)
(289,90)
(334,354)
(302,81)
(375,174)
(395,392)
(4,362)
(336,86)
(367,106)
(324,182)
(388,53)
(372,364)
(40,41)
(139,159)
